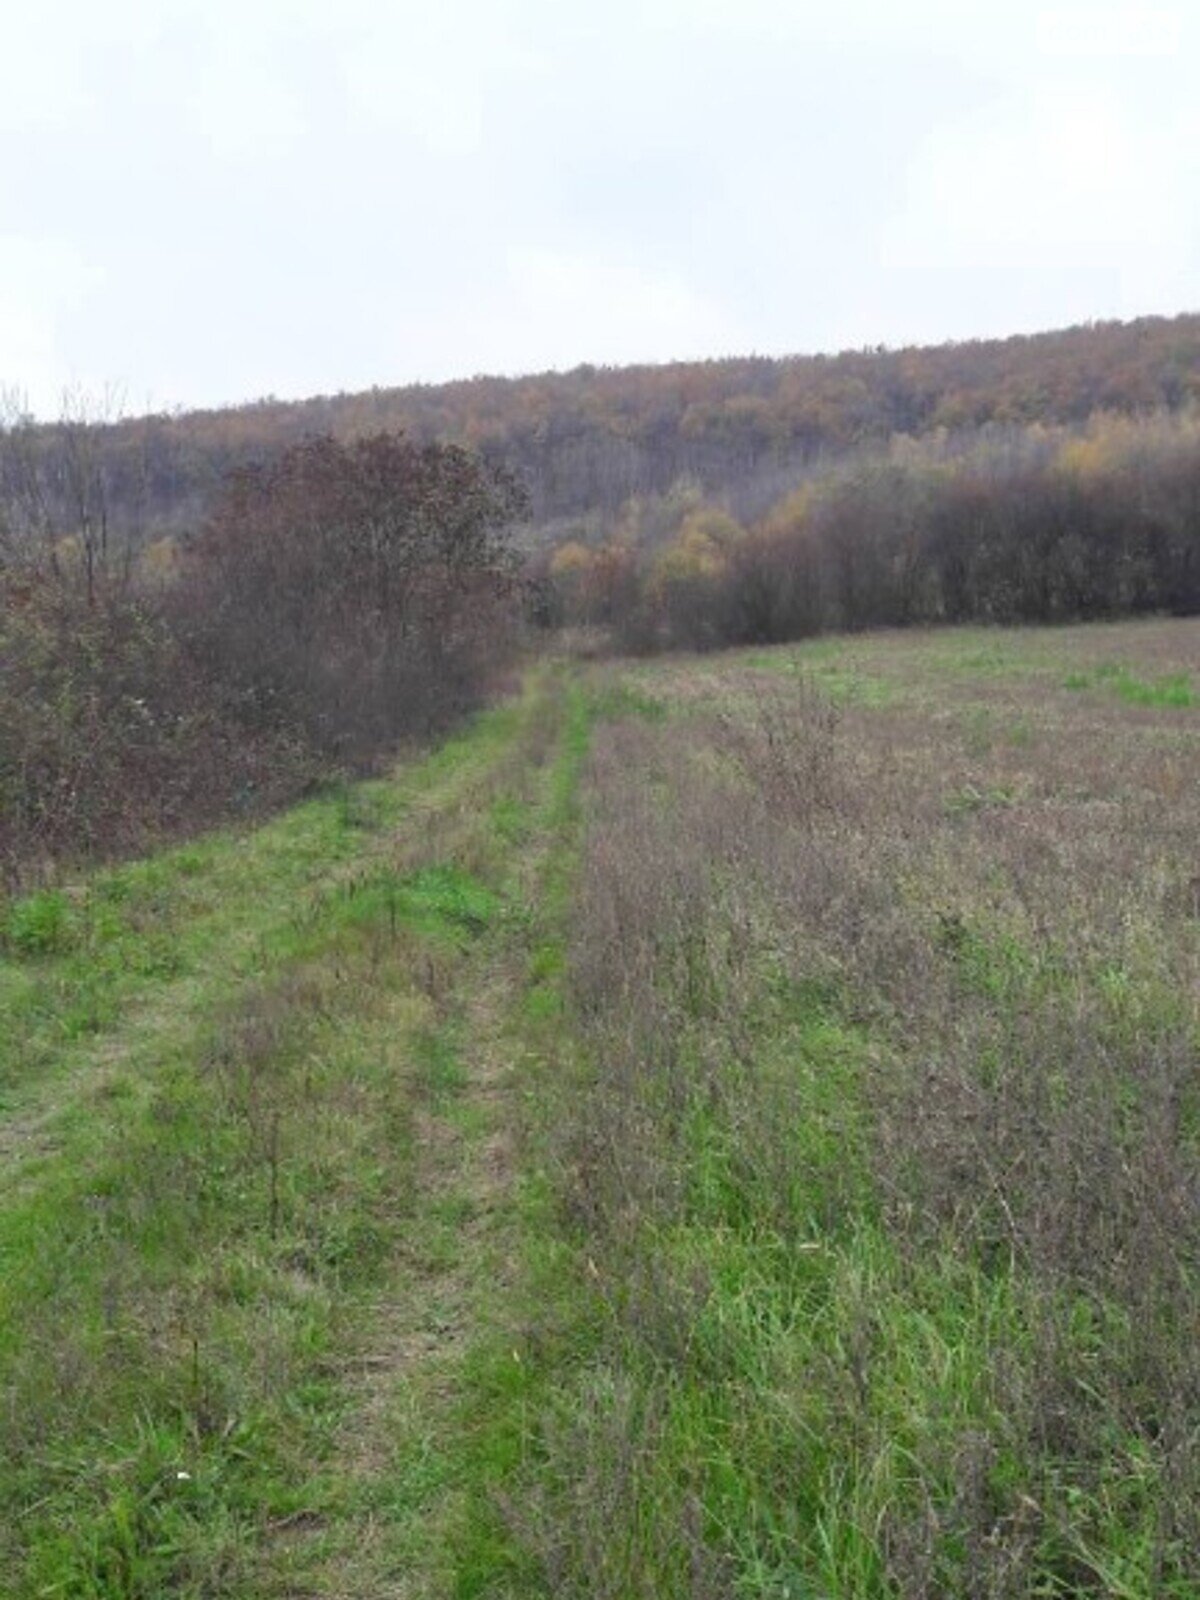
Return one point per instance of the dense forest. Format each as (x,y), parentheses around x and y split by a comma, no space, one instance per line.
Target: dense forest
(1034,524)
(584,442)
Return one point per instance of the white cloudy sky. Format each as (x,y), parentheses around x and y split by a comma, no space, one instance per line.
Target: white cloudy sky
(209,200)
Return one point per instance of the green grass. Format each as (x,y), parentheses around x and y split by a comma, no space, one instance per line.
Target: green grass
(212,1195)
(215,1235)
(767,1374)
(831,670)
(1173,690)
(178,932)
(352,1244)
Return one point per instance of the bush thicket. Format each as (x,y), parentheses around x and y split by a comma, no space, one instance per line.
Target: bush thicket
(336,602)
(1033,525)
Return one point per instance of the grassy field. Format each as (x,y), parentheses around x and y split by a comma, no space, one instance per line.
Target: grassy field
(719,1127)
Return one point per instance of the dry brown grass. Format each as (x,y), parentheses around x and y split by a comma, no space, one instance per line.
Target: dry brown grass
(886,1175)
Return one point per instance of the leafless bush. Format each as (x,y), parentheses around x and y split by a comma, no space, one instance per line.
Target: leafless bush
(339,602)
(107,740)
(357,594)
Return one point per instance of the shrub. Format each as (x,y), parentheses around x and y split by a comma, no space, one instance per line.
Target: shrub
(355,593)
(339,599)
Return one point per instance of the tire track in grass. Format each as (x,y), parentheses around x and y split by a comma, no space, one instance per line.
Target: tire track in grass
(410,1449)
(380,1034)
(247,925)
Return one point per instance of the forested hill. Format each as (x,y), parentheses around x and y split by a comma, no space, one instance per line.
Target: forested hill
(586,440)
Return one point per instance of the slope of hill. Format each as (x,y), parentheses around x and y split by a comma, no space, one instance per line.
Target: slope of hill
(586,440)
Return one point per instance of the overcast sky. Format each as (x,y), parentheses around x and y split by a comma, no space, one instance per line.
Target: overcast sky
(212,201)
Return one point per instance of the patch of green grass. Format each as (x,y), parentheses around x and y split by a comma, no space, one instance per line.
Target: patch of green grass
(437,1059)
(1172,690)
(218,1233)
(39,925)
(625,699)
(447,894)
(827,649)
(994,960)
(441,899)
(844,683)
(984,653)
(220,911)
(510,820)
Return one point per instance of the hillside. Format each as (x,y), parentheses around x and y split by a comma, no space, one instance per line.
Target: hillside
(585,441)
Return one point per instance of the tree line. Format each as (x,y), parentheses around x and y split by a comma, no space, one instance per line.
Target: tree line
(583,442)
(1005,525)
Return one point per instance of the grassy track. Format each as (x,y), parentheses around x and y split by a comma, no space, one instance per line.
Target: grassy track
(717,1128)
(257,1161)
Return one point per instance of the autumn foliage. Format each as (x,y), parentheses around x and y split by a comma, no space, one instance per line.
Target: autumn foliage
(1006,525)
(583,442)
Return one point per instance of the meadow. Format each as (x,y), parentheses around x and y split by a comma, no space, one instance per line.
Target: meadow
(719,1126)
